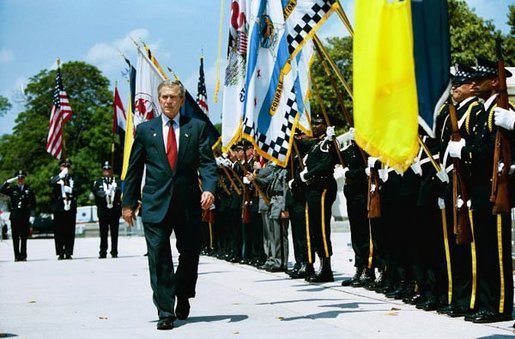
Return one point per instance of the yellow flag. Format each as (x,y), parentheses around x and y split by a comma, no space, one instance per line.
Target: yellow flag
(385,93)
(129,138)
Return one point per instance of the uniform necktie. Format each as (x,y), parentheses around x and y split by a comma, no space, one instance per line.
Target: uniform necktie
(171,146)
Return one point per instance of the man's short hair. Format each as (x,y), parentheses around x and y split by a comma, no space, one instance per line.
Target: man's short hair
(172,83)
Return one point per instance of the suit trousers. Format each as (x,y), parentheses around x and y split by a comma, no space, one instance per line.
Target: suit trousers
(167,284)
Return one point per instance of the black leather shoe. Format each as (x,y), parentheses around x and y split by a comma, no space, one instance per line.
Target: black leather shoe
(445,309)
(68,257)
(165,324)
(182,311)
(460,311)
(102,256)
(490,317)
(60,257)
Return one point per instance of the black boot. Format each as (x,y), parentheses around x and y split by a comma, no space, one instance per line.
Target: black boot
(355,277)
(325,274)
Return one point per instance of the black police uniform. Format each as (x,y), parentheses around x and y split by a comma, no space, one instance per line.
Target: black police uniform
(64,208)
(107,191)
(22,207)
(320,194)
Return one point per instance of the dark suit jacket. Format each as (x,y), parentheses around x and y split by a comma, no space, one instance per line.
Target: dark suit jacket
(161,183)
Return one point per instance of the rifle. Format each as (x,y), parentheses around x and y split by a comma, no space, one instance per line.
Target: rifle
(500,194)
(461,217)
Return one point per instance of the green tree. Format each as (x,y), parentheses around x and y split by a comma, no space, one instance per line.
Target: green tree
(5,105)
(470,37)
(87,135)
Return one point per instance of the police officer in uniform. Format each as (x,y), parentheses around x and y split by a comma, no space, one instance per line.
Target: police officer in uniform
(320,193)
(64,206)
(23,205)
(492,233)
(107,191)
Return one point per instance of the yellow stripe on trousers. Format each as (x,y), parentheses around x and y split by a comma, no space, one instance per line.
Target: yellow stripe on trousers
(447,257)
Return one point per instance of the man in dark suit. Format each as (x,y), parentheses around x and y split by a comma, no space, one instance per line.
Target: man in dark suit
(174,150)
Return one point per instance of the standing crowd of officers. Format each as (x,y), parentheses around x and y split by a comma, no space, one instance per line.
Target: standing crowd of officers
(406,246)
(65,191)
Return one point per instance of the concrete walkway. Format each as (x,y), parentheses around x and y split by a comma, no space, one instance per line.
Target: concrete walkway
(111,298)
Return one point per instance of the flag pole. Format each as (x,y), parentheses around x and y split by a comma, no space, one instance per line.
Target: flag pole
(326,119)
(321,48)
(64,153)
(219,54)
(114,132)
(344,18)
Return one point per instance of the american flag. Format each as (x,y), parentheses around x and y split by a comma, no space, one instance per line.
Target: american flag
(201,90)
(61,113)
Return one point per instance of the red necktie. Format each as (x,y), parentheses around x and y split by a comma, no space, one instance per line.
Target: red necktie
(171,147)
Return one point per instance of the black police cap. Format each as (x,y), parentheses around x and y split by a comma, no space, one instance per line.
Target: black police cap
(107,166)
(488,69)
(65,162)
(20,173)
(462,74)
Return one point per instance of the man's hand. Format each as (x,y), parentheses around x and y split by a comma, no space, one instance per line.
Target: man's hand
(504,118)
(13,179)
(206,200)
(129,215)
(63,173)
(455,147)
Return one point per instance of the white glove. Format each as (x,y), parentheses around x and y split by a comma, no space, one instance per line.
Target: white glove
(63,173)
(351,133)
(443,176)
(219,161)
(372,161)
(455,147)
(383,174)
(338,172)
(417,168)
(227,163)
(367,171)
(212,207)
(329,133)
(303,174)
(290,184)
(459,203)
(441,203)
(13,179)
(246,180)
(67,189)
(31,220)
(504,118)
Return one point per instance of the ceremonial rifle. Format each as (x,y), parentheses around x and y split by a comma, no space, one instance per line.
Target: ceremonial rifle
(461,217)
(500,194)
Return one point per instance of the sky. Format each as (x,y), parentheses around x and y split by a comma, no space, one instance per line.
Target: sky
(34,33)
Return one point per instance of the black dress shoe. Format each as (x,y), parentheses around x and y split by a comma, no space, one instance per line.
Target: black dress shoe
(182,311)
(102,256)
(446,309)
(60,257)
(460,311)
(68,257)
(165,324)
(491,317)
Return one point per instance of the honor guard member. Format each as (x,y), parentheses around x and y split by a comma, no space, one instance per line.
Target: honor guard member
(64,207)
(107,191)
(22,206)
(492,232)
(296,205)
(320,194)
(460,294)
(355,191)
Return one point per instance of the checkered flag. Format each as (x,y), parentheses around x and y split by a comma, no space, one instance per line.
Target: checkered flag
(275,141)
(303,22)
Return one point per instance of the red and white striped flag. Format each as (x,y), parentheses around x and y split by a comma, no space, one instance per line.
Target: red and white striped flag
(61,113)
(201,89)
(119,117)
